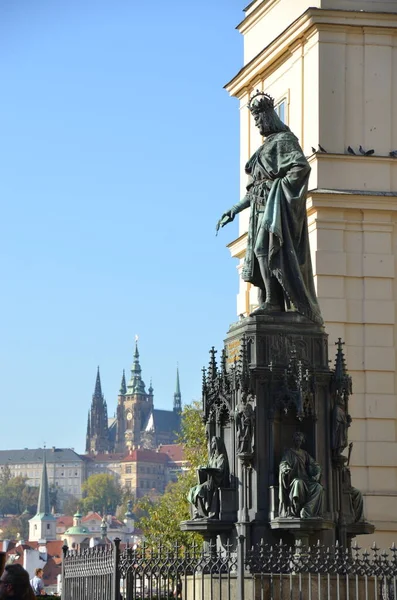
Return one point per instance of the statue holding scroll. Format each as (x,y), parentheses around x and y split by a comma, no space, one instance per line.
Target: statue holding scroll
(205,495)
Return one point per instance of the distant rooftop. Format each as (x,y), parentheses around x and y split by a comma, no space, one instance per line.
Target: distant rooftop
(53,455)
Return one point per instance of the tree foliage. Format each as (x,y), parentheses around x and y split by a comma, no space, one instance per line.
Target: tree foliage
(101,493)
(162,516)
(71,505)
(16,495)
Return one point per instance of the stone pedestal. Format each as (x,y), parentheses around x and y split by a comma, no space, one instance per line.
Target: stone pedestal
(273,380)
(304,531)
(257,587)
(290,378)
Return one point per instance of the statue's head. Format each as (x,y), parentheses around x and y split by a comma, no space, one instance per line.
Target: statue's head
(217,445)
(298,439)
(266,119)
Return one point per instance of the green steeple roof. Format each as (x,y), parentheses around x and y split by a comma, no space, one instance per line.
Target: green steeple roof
(43,506)
(177,395)
(135,384)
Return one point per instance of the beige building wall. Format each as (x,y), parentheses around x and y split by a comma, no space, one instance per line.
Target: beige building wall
(335,68)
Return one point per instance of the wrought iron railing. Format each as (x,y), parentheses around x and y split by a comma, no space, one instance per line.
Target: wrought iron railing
(268,572)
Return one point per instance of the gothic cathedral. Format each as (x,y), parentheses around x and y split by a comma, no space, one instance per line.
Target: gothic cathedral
(136,423)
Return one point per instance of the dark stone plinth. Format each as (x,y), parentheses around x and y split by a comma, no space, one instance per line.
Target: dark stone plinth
(289,377)
(304,530)
(360,528)
(207,527)
(276,335)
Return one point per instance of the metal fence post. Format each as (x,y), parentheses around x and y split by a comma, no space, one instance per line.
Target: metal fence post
(116,570)
(63,589)
(240,567)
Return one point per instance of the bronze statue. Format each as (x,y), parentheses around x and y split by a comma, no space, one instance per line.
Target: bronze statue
(245,419)
(340,424)
(355,506)
(300,490)
(205,496)
(277,259)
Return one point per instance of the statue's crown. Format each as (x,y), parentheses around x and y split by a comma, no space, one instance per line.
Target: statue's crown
(261,102)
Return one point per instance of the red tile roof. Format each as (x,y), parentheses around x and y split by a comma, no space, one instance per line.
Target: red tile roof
(54,558)
(64,521)
(115,523)
(174,451)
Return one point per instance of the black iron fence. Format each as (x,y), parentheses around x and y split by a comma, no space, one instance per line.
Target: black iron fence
(269,572)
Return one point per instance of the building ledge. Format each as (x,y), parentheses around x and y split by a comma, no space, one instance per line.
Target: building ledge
(311,20)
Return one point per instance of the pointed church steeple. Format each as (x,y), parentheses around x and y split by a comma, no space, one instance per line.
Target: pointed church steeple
(135,384)
(88,434)
(43,525)
(98,388)
(123,387)
(177,395)
(97,427)
(43,506)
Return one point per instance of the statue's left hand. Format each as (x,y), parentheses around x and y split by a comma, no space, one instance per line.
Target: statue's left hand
(226,218)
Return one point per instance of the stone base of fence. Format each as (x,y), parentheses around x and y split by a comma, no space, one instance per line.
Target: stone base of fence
(286,586)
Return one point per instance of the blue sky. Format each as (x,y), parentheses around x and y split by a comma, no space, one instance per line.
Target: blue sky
(119,151)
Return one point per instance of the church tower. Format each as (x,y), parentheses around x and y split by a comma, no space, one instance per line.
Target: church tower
(43,525)
(134,407)
(177,395)
(97,438)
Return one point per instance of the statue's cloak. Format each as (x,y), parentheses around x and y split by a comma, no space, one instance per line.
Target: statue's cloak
(279,175)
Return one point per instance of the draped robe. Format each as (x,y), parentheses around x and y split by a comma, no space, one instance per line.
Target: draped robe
(276,193)
(301,494)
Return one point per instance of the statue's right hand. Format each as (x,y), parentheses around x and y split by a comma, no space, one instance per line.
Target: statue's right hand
(226,218)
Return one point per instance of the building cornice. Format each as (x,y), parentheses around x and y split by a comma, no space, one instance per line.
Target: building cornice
(311,21)
(350,199)
(254,13)
(332,198)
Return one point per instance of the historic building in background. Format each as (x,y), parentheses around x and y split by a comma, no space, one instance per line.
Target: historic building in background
(136,423)
(65,469)
(331,66)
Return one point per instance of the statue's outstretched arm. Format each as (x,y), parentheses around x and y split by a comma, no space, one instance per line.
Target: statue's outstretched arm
(229,215)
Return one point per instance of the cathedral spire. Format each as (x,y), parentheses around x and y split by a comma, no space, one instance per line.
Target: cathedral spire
(177,395)
(97,426)
(135,384)
(88,434)
(98,388)
(123,387)
(43,506)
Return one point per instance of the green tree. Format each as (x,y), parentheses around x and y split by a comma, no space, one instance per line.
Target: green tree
(71,505)
(162,516)
(5,475)
(101,492)
(192,436)
(53,493)
(14,490)
(13,530)
(30,498)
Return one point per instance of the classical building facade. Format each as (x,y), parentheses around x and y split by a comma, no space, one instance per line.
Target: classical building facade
(65,468)
(331,66)
(137,422)
(145,472)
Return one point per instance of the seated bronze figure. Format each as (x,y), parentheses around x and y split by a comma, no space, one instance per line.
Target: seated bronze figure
(205,496)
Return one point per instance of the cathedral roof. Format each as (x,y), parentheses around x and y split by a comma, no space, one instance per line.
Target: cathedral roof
(166,420)
(136,384)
